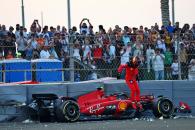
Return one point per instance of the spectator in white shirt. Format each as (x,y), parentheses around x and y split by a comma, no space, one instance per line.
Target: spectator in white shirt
(149,55)
(44,54)
(175,69)
(161,44)
(125,54)
(87,50)
(84,29)
(21,42)
(76,51)
(158,65)
(112,51)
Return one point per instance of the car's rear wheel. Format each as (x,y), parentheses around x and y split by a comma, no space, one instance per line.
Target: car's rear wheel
(68,111)
(163,107)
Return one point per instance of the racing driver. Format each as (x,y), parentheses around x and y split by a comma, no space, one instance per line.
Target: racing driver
(131,79)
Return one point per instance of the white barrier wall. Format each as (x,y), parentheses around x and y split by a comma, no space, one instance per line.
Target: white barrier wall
(16,94)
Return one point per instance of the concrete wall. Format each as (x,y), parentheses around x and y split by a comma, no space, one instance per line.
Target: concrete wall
(15,94)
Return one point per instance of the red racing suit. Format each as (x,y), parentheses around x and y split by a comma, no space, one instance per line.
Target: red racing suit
(130,78)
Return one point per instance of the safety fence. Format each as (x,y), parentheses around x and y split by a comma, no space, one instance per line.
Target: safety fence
(90,57)
(55,72)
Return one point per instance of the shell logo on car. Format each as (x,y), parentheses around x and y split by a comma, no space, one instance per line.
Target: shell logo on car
(122,106)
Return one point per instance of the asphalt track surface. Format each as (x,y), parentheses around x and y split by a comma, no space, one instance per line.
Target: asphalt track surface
(128,124)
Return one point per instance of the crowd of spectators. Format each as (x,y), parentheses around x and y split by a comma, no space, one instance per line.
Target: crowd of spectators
(157,47)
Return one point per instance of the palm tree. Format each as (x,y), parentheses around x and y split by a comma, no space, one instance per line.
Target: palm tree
(165,12)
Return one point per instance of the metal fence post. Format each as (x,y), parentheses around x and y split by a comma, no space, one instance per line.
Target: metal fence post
(178,54)
(71,63)
(70,43)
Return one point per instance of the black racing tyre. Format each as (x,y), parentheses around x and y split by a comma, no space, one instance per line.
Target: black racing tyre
(68,111)
(163,107)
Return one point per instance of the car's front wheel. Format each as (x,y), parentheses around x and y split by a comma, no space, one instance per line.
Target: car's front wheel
(163,107)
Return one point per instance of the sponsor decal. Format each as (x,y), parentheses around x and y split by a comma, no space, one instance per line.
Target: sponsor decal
(94,109)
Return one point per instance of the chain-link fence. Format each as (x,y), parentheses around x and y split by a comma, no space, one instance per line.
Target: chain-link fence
(163,56)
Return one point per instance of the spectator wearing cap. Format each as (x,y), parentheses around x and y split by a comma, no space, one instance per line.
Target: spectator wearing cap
(158,65)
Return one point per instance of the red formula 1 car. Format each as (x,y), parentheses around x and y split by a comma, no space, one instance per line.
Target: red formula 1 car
(96,103)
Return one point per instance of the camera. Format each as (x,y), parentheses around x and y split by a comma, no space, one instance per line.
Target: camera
(85,18)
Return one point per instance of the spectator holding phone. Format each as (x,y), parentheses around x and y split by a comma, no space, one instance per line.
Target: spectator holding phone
(158,65)
(84,29)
